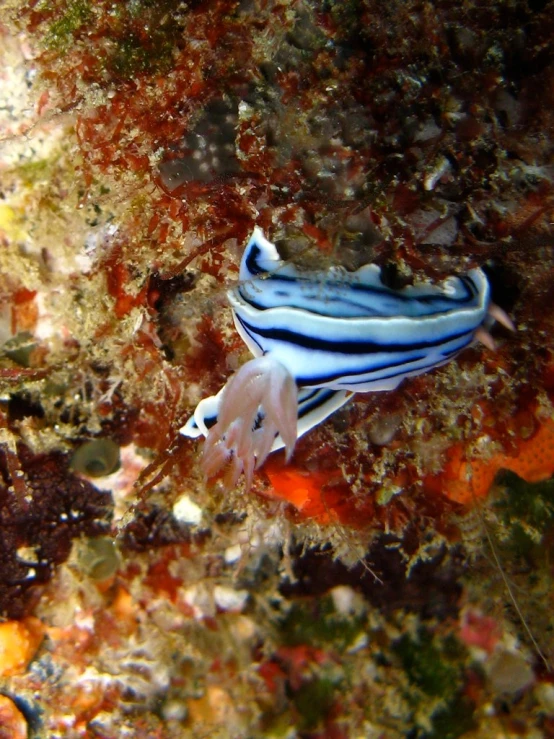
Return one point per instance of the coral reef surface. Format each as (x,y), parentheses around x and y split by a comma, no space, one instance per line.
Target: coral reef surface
(394,578)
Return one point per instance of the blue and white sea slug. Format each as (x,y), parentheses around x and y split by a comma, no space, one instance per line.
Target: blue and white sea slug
(319,337)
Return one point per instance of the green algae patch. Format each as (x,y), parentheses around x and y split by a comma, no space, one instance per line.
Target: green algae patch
(313,700)
(435,672)
(526,512)
(319,624)
(136,37)
(426,666)
(70,22)
(452,721)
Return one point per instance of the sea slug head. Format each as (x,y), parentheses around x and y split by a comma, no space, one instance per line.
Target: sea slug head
(258,402)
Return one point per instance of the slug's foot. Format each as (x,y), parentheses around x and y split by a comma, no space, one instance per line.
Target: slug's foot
(258,402)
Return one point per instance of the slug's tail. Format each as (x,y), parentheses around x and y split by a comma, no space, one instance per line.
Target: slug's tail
(497,314)
(501,316)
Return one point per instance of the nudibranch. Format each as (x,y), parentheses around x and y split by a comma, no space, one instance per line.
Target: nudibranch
(318,338)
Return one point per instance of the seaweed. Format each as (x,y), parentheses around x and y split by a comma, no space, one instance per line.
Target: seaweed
(38,527)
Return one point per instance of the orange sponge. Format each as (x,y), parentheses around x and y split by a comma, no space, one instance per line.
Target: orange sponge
(19,640)
(302,489)
(462,480)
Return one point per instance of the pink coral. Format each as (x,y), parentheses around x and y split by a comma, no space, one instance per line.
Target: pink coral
(258,403)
